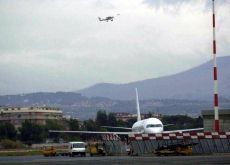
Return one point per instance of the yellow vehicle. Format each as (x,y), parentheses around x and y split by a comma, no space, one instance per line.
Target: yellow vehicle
(96,148)
(49,151)
(184,150)
(175,149)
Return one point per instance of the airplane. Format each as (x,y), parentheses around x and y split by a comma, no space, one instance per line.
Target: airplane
(147,126)
(109,18)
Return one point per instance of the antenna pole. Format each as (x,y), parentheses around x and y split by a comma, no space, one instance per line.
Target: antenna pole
(216,108)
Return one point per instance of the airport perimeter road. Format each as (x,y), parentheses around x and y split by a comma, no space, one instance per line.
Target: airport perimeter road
(118,160)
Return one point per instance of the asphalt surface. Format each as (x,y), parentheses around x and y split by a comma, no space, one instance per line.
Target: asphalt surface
(118,160)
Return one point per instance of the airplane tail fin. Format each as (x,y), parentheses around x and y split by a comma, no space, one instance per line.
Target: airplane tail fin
(99,18)
(138,107)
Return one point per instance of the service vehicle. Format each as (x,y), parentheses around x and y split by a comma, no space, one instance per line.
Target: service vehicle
(77,148)
(175,149)
(96,148)
(49,151)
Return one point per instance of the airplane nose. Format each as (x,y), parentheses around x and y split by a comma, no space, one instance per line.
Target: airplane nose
(154,130)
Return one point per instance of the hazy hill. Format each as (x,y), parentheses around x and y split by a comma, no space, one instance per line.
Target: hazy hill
(193,84)
(75,105)
(177,94)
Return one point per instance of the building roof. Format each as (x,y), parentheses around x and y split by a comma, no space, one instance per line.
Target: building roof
(211,112)
(30,109)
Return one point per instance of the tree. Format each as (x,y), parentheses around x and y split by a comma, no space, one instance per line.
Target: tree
(112,121)
(55,125)
(73,125)
(149,115)
(31,132)
(89,125)
(130,122)
(101,118)
(199,122)
(7,131)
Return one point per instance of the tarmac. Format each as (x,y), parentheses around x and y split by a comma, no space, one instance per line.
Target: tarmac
(212,159)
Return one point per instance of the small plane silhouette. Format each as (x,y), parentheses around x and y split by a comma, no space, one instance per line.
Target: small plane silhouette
(109,18)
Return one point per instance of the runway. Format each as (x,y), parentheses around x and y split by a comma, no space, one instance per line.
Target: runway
(117,160)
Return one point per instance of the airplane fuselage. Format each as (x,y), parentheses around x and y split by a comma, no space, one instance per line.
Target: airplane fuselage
(148,126)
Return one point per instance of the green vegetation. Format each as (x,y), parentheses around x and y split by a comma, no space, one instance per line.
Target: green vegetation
(10,144)
(55,125)
(20,152)
(182,122)
(7,131)
(31,133)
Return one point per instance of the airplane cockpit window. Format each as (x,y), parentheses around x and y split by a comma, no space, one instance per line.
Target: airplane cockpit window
(153,125)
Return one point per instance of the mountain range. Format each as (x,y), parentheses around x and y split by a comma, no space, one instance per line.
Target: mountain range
(194,84)
(188,92)
(75,105)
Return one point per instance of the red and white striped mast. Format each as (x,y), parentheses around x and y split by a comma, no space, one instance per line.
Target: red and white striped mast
(216,108)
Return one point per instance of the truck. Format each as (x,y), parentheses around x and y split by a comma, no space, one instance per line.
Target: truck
(77,148)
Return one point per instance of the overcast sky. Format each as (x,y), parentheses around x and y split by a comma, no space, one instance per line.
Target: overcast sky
(59,45)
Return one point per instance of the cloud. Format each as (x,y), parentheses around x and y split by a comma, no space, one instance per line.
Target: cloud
(61,45)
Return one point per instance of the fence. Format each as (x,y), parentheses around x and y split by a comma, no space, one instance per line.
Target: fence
(205,142)
(114,145)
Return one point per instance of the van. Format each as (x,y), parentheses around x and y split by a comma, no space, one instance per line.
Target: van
(77,148)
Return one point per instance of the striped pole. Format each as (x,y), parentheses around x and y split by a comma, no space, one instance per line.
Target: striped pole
(216,111)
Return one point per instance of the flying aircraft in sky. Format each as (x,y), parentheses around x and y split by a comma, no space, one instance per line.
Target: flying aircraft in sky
(109,18)
(146,126)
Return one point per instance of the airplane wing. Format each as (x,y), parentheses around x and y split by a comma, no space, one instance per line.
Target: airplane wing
(184,130)
(117,127)
(91,132)
(123,133)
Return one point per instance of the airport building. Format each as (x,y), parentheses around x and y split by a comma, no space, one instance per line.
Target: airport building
(38,115)
(224,118)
